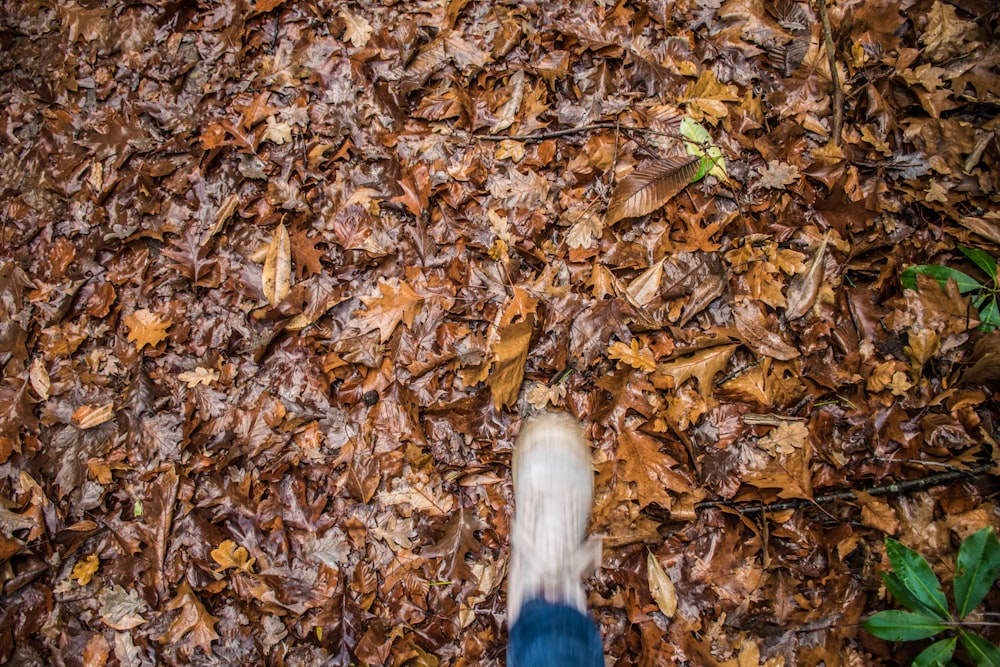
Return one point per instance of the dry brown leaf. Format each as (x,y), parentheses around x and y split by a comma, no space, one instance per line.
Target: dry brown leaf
(877,513)
(39,378)
(146,328)
(509,355)
(758,338)
(276,279)
(397,302)
(89,416)
(650,187)
(193,619)
(804,287)
(198,376)
(703,365)
(644,289)
(660,586)
(96,651)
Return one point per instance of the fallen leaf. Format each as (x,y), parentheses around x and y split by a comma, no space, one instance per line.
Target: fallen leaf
(229,555)
(660,586)
(702,365)
(276,279)
(89,416)
(804,288)
(39,378)
(85,570)
(193,619)
(650,187)
(509,355)
(357,30)
(640,359)
(198,376)
(146,328)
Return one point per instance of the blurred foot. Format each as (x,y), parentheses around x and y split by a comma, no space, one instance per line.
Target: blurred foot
(553,493)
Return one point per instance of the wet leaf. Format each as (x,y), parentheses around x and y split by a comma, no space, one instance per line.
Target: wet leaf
(276,279)
(146,328)
(650,187)
(660,586)
(194,621)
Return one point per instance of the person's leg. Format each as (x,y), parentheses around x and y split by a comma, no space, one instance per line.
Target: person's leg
(554,635)
(550,555)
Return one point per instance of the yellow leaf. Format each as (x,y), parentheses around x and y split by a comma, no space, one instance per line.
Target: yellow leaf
(660,586)
(510,353)
(198,376)
(85,569)
(229,555)
(631,354)
(146,328)
(276,279)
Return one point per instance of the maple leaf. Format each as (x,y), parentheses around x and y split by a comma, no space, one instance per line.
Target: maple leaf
(146,328)
(193,619)
(397,302)
(706,97)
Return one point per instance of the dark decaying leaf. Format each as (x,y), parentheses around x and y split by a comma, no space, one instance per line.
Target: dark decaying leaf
(786,57)
(650,187)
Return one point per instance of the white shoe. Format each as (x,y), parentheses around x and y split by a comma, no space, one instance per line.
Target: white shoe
(553,494)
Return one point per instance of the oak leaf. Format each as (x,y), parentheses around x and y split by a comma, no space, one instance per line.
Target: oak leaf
(397,302)
(146,328)
(357,30)
(458,540)
(85,570)
(702,365)
(193,619)
(631,354)
(230,555)
(649,469)
(199,376)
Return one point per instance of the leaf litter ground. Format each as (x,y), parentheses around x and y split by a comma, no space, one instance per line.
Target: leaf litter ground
(280,278)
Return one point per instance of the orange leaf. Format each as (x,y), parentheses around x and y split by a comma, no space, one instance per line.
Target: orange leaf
(397,303)
(230,555)
(510,353)
(85,569)
(146,328)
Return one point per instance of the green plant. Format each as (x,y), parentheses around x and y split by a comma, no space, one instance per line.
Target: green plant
(916,587)
(985,297)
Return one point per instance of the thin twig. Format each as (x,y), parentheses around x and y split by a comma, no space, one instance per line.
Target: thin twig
(542,136)
(838,94)
(886,490)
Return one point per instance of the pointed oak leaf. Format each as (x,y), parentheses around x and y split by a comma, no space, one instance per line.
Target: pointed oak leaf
(458,540)
(509,355)
(945,32)
(190,258)
(193,619)
(146,328)
(702,365)
(397,302)
(650,187)
(650,470)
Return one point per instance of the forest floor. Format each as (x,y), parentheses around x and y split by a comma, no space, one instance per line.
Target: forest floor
(280,280)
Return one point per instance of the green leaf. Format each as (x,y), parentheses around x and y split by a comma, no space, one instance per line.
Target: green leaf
(978,565)
(982,259)
(916,575)
(966,283)
(990,314)
(903,596)
(937,654)
(699,142)
(902,626)
(983,653)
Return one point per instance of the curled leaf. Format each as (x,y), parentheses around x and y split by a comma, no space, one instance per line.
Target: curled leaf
(660,586)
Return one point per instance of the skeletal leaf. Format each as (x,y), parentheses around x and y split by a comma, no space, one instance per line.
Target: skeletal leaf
(660,586)
(648,188)
(804,287)
(277,276)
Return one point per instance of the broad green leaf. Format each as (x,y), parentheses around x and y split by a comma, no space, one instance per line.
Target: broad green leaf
(978,565)
(966,283)
(982,259)
(918,578)
(903,626)
(983,653)
(903,596)
(937,654)
(989,314)
(699,143)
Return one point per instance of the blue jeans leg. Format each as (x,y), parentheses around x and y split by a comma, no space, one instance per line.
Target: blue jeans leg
(554,635)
